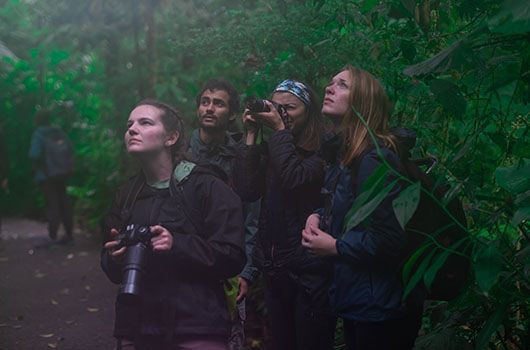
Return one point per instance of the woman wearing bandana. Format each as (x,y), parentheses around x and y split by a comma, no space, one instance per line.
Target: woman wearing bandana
(287,172)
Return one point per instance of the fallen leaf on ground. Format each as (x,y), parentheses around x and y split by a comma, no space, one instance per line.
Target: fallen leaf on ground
(31,252)
(54,302)
(83,253)
(17,326)
(65,291)
(3,324)
(39,274)
(4,258)
(87,287)
(92,309)
(70,256)
(52,345)
(49,335)
(69,321)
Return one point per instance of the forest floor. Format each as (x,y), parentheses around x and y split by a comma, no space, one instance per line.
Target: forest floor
(56,296)
(52,296)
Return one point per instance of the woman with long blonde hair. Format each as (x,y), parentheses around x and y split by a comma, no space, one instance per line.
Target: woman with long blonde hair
(366,292)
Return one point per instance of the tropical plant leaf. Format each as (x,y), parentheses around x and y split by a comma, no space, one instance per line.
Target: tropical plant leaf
(491,325)
(514,18)
(448,94)
(520,215)
(370,187)
(411,262)
(356,217)
(488,265)
(514,179)
(406,203)
(418,274)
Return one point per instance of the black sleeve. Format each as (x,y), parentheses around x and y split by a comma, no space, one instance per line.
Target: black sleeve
(219,251)
(294,171)
(112,220)
(249,172)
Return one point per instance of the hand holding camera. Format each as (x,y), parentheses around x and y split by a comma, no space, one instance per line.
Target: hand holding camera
(130,248)
(268,113)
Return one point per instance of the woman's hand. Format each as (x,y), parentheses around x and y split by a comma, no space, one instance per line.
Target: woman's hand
(112,247)
(272,118)
(313,220)
(318,241)
(243,289)
(251,126)
(162,239)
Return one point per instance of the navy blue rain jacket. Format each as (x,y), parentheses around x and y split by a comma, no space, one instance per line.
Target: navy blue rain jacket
(367,274)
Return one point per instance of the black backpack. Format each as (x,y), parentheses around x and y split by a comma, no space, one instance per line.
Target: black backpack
(58,154)
(438,248)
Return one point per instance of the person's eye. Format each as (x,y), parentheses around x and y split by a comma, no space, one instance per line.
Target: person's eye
(220,104)
(205,102)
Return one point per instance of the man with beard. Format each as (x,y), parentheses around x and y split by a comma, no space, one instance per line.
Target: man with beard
(215,142)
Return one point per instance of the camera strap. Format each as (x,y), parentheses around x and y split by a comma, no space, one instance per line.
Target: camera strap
(130,200)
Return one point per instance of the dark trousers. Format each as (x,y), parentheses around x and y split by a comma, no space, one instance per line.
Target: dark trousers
(397,334)
(296,320)
(58,207)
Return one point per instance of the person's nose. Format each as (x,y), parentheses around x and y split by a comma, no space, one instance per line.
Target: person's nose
(132,130)
(210,108)
(330,90)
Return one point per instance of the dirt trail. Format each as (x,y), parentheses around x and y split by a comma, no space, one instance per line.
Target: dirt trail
(52,297)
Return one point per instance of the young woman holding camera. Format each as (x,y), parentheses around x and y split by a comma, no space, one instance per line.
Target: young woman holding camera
(287,173)
(197,241)
(366,291)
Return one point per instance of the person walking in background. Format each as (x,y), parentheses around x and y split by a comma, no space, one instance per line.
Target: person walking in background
(212,143)
(367,291)
(51,153)
(287,172)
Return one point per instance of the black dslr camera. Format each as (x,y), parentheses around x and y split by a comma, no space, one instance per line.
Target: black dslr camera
(257,105)
(137,239)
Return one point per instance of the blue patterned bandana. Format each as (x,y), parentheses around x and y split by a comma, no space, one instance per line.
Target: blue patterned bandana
(296,88)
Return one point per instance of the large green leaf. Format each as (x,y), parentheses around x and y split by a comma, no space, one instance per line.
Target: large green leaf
(371,187)
(490,327)
(440,62)
(411,262)
(488,265)
(514,18)
(418,274)
(406,203)
(514,179)
(449,96)
(438,262)
(520,215)
(355,218)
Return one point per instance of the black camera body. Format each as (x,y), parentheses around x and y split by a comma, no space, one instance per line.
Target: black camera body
(257,105)
(137,239)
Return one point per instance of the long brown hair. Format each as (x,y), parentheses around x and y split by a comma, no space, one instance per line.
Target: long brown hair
(311,134)
(369,99)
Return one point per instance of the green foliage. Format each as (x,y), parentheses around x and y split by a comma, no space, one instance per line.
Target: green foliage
(406,203)
(458,73)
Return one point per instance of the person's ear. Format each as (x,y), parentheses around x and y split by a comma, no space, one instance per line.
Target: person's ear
(172,139)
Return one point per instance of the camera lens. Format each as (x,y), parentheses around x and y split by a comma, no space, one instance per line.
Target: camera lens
(255,105)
